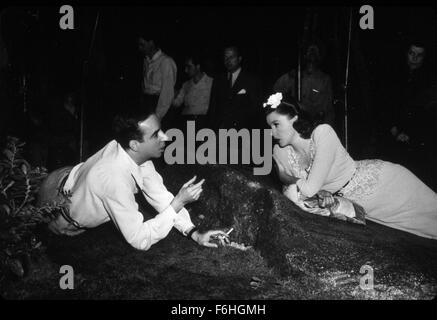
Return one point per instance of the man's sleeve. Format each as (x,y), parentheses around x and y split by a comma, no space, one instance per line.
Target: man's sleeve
(212,109)
(177,102)
(160,198)
(168,76)
(119,201)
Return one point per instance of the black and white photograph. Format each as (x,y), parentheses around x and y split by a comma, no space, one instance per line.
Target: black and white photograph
(233,154)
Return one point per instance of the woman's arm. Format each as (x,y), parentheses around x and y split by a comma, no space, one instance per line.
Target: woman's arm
(284,176)
(326,143)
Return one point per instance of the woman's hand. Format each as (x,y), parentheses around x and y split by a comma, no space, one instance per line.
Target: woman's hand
(283,175)
(291,193)
(326,199)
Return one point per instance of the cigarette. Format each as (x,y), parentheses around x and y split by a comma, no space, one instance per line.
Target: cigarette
(230,230)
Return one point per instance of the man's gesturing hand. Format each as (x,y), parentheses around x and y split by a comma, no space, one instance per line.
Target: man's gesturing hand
(189,192)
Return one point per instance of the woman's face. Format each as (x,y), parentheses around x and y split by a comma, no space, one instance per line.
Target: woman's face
(282,128)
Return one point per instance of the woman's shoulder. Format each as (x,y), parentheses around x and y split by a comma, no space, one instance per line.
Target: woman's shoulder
(324,133)
(323,129)
(280,153)
(277,149)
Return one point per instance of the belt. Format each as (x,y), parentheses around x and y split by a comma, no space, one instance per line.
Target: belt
(64,211)
(63,181)
(338,192)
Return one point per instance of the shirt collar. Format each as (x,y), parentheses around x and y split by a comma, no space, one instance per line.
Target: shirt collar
(155,56)
(236,72)
(200,80)
(131,166)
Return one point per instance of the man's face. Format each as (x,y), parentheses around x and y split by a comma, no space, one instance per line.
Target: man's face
(190,69)
(232,60)
(69,100)
(312,54)
(153,143)
(415,57)
(145,46)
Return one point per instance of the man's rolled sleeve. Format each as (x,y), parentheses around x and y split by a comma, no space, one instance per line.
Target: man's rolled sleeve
(179,100)
(183,221)
(160,198)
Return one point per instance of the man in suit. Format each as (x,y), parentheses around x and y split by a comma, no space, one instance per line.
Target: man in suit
(316,86)
(236,100)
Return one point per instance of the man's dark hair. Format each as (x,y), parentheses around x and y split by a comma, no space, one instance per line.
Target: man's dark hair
(126,125)
(420,42)
(417,41)
(233,47)
(305,123)
(196,59)
(152,34)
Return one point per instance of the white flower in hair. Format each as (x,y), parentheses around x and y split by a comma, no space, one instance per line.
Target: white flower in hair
(274,100)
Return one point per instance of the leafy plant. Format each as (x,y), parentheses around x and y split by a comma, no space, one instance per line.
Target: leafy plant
(19,184)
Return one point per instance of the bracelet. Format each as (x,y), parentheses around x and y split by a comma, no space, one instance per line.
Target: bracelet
(189,234)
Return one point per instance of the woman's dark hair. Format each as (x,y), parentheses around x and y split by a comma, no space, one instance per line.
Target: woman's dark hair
(125,125)
(305,123)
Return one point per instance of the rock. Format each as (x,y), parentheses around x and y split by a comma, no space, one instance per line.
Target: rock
(297,243)
(16,267)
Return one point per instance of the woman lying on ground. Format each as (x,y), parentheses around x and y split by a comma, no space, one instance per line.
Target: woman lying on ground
(311,160)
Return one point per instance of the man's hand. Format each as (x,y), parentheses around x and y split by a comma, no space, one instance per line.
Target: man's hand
(326,200)
(204,239)
(189,192)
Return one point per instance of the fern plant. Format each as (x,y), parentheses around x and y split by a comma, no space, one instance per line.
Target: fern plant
(19,184)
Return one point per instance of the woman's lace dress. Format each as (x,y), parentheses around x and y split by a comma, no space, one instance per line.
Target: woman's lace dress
(391,194)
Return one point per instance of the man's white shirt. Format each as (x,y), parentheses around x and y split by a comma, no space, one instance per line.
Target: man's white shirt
(159,78)
(235,75)
(195,96)
(103,189)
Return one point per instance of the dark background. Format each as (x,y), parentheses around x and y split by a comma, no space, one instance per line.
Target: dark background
(267,35)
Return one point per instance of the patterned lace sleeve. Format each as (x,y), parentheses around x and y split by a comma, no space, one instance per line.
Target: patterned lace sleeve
(325,144)
(283,167)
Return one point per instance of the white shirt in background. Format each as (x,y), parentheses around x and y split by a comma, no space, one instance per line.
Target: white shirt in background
(159,78)
(195,96)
